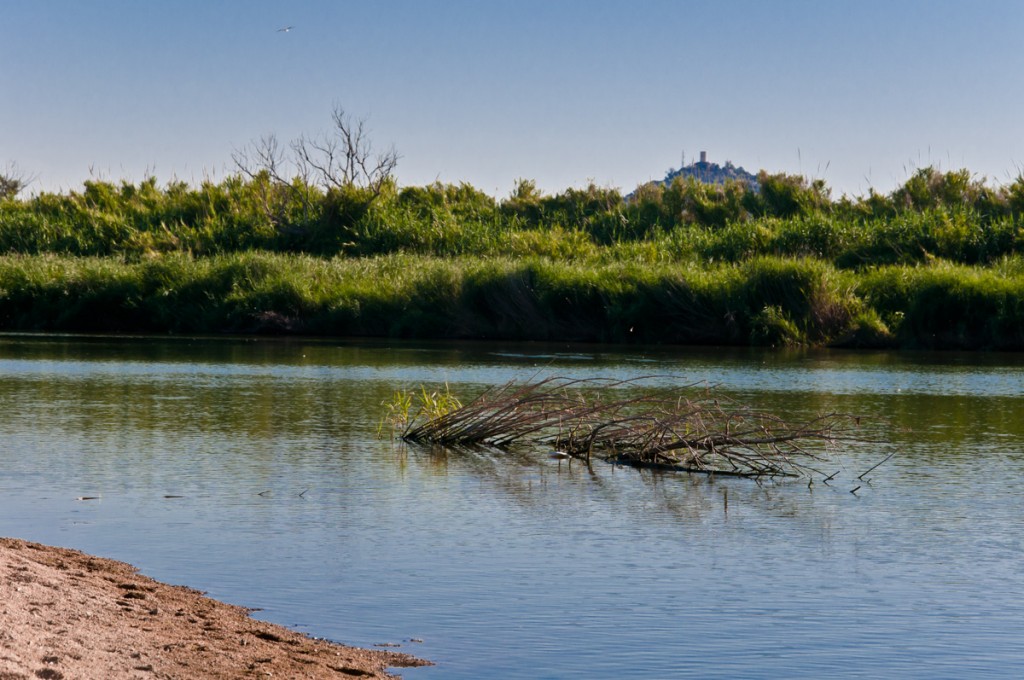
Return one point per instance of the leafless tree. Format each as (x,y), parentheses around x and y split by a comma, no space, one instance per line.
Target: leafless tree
(339,159)
(344,157)
(261,156)
(13,180)
(263,162)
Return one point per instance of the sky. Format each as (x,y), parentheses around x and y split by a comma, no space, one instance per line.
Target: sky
(563,92)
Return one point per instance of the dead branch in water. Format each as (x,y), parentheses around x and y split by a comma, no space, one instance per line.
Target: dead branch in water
(694,431)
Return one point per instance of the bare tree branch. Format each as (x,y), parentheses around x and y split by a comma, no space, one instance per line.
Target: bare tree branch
(344,157)
(263,162)
(13,181)
(263,155)
(293,175)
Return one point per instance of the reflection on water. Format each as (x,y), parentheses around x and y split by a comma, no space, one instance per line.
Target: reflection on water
(251,469)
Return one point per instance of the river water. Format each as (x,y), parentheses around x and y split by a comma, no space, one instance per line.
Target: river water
(252,469)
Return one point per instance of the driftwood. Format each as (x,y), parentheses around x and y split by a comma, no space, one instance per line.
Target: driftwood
(695,430)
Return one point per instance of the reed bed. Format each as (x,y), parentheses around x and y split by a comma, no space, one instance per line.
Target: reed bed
(765,301)
(691,429)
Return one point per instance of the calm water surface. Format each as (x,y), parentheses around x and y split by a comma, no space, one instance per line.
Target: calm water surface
(520,566)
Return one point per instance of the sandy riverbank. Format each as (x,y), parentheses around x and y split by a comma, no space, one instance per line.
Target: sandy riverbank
(65,614)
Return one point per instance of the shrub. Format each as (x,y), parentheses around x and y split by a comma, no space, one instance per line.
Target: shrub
(785,196)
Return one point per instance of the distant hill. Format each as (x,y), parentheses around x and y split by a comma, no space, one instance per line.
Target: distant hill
(712,173)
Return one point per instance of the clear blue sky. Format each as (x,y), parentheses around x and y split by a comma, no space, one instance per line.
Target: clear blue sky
(488,91)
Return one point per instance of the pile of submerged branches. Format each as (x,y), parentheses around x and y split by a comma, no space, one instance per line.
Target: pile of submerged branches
(694,431)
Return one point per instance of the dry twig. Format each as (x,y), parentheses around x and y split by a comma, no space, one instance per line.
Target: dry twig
(701,432)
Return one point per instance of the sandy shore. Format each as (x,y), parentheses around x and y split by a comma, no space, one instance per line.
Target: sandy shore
(65,614)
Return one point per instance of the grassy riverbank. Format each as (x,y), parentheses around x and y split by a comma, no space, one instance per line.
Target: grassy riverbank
(766,300)
(935,264)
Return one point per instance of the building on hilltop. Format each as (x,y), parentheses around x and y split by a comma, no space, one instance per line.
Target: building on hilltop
(712,173)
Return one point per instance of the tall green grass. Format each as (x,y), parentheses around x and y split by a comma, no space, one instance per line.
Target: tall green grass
(946,306)
(766,301)
(934,215)
(937,263)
